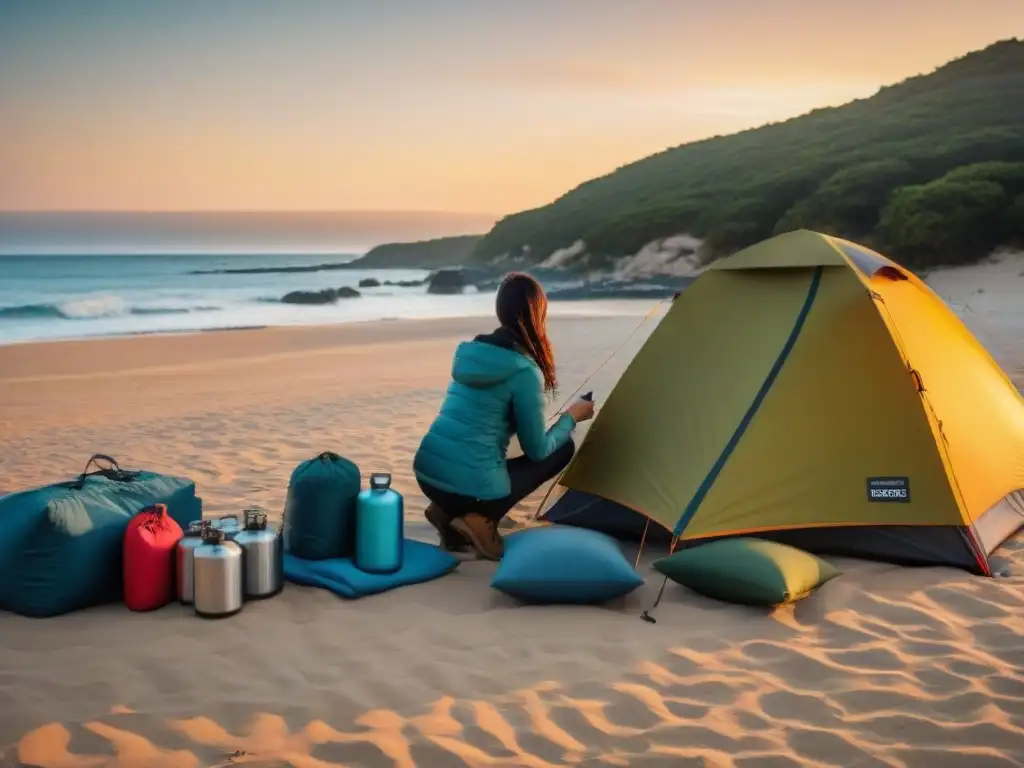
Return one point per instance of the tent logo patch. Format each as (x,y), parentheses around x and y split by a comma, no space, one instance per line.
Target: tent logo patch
(889,489)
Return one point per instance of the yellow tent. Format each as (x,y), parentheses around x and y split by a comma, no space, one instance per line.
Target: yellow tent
(810,390)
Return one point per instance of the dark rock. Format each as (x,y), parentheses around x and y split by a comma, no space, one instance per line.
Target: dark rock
(456,280)
(326,296)
(369,282)
(446,281)
(405,283)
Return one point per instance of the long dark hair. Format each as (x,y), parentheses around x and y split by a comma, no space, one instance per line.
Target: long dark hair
(522,308)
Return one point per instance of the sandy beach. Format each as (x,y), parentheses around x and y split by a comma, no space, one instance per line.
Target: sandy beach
(884,666)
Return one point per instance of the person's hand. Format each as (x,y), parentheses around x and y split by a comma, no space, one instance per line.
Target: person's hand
(581,410)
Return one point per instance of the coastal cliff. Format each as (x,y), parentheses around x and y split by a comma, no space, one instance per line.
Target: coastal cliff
(423,254)
(929,171)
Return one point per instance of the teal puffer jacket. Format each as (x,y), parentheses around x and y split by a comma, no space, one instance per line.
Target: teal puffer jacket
(496,391)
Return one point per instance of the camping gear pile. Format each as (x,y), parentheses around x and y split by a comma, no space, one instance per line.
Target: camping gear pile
(140,537)
(330,516)
(230,564)
(191,539)
(214,566)
(137,536)
(350,540)
(61,546)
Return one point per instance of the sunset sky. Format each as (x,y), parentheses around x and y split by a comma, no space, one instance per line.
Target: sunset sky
(456,105)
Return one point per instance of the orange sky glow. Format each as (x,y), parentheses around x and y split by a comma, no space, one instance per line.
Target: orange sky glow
(448,105)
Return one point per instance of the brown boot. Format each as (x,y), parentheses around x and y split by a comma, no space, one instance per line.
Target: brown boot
(482,534)
(451,541)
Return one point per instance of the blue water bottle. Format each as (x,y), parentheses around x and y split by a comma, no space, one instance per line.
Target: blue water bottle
(380,526)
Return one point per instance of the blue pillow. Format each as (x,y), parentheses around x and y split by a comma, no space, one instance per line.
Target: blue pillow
(558,564)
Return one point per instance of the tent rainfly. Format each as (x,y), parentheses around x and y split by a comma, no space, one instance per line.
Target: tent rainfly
(811,391)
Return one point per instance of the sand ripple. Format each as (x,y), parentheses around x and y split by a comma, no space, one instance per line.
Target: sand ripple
(839,692)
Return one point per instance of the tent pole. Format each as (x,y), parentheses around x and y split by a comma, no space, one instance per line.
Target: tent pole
(643,540)
(547,495)
(616,351)
(579,389)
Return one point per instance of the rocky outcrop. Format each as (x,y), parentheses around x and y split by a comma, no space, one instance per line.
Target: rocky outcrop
(446,281)
(425,254)
(326,296)
(457,280)
(369,282)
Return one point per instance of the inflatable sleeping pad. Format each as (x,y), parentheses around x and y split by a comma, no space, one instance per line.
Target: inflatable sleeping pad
(61,545)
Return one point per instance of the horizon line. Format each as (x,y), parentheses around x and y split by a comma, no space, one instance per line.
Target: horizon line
(363,211)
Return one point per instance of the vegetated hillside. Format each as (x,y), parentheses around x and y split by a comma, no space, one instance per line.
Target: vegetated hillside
(423,254)
(928,171)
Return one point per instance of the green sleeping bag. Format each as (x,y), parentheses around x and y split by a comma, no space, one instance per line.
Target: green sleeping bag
(60,545)
(320,511)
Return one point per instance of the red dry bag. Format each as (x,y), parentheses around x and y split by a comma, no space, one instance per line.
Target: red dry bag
(149,547)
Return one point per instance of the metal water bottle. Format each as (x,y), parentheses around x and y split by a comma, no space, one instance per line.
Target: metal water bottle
(380,527)
(264,555)
(187,544)
(229,524)
(217,576)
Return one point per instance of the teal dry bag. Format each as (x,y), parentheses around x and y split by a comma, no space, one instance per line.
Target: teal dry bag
(320,512)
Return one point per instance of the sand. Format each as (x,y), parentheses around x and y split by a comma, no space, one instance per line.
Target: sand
(884,666)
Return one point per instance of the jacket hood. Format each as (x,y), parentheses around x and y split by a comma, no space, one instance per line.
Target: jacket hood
(488,360)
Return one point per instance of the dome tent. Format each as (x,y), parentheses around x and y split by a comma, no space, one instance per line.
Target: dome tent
(811,391)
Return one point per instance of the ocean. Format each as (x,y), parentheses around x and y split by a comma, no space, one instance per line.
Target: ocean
(55,297)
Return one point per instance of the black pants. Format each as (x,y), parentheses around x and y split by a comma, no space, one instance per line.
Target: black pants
(525,475)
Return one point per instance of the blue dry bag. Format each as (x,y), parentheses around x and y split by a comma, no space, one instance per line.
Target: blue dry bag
(320,512)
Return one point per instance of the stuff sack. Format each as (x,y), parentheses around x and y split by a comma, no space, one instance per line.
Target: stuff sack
(149,547)
(320,511)
(61,545)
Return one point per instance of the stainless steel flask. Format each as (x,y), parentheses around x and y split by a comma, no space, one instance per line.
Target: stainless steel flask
(187,544)
(263,560)
(229,524)
(217,576)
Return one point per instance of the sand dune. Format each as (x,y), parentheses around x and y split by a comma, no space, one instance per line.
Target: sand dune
(884,666)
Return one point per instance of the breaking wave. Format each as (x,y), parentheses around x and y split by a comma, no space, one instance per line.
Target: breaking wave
(92,308)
